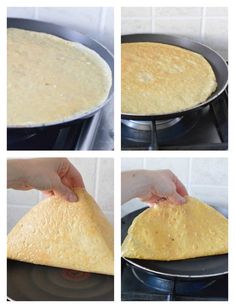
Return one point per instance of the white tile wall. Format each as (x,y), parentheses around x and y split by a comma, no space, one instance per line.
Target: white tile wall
(207,25)
(96,22)
(205,178)
(98,177)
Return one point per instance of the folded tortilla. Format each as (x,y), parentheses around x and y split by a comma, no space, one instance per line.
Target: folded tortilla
(62,234)
(173,232)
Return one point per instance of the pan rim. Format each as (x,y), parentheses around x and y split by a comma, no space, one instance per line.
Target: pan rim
(199,105)
(76,116)
(174,275)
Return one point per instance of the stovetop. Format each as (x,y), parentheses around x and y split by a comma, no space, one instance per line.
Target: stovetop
(87,134)
(206,129)
(134,290)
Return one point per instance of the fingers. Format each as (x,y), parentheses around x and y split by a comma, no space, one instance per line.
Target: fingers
(73,178)
(176,198)
(63,191)
(180,188)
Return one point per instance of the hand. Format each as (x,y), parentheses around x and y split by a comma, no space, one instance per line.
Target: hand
(52,176)
(161,185)
(152,186)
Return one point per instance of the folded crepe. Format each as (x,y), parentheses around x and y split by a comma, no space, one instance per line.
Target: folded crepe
(62,234)
(173,232)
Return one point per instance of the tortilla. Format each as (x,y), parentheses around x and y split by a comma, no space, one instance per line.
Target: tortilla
(52,80)
(174,232)
(161,79)
(58,233)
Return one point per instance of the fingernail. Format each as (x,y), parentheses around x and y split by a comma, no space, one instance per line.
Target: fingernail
(72,198)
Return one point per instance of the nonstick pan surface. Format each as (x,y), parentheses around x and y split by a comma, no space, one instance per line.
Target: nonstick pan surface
(196,268)
(216,61)
(31,282)
(70,35)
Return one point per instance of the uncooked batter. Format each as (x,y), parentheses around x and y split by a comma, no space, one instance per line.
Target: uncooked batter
(51,79)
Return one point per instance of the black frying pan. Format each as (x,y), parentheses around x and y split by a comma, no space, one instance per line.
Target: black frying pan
(31,282)
(196,268)
(70,35)
(216,61)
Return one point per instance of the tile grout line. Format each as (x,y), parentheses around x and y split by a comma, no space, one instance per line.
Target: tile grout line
(97,170)
(152,20)
(203,19)
(102,21)
(36,12)
(189,175)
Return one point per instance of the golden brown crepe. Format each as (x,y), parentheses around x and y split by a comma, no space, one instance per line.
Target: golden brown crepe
(51,79)
(160,78)
(62,234)
(174,232)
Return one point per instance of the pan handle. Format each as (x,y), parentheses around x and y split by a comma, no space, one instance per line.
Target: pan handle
(153,145)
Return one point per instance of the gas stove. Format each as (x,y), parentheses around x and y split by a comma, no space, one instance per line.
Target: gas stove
(138,286)
(78,136)
(204,129)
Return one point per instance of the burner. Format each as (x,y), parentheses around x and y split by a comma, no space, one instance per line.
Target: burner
(75,275)
(147,125)
(202,129)
(30,282)
(138,285)
(180,287)
(164,132)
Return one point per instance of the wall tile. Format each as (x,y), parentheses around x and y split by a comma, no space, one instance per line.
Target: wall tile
(25,198)
(132,163)
(177,11)
(105,184)
(209,171)
(85,20)
(179,166)
(189,28)
(216,33)
(182,21)
(109,215)
(136,12)
(217,11)
(215,196)
(21,12)
(106,36)
(136,26)
(14,214)
(87,168)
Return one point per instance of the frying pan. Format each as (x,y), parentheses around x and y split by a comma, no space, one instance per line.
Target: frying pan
(31,282)
(216,61)
(196,268)
(70,35)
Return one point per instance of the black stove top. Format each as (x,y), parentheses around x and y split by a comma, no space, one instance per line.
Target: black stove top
(77,136)
(206,129)
(135,289)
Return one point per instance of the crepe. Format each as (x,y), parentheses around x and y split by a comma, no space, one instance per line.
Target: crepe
(51,79)
(160,78)
(62,234)
(174,232)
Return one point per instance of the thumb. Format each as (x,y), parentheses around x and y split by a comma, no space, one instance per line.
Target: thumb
(176,198)
(64,192)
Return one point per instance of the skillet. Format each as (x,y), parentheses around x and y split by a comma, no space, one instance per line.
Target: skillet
(196,268)
(70,35)
(216,61)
